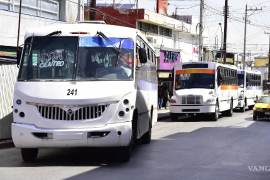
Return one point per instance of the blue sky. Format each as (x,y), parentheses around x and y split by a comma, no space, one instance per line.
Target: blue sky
(257,41)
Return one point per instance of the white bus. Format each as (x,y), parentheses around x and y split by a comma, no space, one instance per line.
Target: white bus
(84,85)
(250,88)
(204,88)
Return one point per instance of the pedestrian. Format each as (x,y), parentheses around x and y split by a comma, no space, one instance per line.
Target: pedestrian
(166,96)
(160,97)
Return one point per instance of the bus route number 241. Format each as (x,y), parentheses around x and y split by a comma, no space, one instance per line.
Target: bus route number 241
(72,92)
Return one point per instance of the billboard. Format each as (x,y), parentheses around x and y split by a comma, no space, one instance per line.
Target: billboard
(261,61)
(168,59)
(229,58)
(162,7)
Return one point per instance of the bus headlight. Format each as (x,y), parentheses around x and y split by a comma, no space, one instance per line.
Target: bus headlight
(210,100)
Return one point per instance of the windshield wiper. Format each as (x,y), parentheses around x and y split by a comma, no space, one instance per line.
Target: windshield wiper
(44,38)
(115,49)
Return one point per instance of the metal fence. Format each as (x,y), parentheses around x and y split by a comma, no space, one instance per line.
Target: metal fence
(8,74)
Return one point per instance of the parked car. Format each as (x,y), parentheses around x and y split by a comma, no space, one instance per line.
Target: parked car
(262,108)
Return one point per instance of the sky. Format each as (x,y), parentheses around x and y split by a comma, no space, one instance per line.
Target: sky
(257,41)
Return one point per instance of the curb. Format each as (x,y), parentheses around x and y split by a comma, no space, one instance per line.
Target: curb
(6,144)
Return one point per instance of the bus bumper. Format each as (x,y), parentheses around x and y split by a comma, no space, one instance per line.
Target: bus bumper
(111,135)
(192,109)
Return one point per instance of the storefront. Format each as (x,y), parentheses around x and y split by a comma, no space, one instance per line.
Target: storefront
(168,58)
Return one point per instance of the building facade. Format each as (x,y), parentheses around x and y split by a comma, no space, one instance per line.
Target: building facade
(174,40)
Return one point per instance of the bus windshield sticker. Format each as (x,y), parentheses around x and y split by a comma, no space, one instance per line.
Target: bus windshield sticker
(184,77)
(51,59)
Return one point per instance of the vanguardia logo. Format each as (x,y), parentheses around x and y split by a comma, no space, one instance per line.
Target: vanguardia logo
(259,168)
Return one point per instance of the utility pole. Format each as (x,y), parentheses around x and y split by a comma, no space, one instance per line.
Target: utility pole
(245,34)
(19,27)
(113,3)
(93,13)
(201,30)
(88,13)
(225,31)
(137,6)
(268,57)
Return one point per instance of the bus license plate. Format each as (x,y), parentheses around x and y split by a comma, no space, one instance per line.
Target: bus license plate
(267,113)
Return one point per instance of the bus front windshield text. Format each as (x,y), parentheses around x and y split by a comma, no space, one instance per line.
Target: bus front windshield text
(196,80)
(73,58)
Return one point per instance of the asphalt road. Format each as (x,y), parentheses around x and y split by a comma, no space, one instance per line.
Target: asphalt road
(189,149)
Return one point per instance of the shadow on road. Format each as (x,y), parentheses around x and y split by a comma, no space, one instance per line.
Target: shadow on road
(223,152)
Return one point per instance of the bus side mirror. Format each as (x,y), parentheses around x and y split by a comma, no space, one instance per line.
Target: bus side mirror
(142,55)
(19,54)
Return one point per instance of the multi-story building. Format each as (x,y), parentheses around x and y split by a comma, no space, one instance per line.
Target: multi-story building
(174,40)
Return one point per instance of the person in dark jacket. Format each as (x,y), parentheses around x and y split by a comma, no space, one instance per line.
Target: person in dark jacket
(166,96)
(160,97)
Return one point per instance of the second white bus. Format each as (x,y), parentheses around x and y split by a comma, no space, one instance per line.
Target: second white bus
(203,88)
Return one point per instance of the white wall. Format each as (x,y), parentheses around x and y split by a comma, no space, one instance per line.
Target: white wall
(185,40)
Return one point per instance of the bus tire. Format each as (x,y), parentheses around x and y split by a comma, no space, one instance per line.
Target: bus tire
(135,128)
(250,107)
(174,116)
(230,111)
(242,109)
(29,154)
(255,118)
(146,138)
(126,153)
(214,116)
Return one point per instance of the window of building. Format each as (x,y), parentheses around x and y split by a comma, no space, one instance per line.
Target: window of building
(148,27)
(43,8)
(165,32)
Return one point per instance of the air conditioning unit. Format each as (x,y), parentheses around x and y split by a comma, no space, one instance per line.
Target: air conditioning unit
(150,39)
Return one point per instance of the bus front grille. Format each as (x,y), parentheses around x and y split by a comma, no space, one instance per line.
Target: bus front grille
(191,99)
(82,113)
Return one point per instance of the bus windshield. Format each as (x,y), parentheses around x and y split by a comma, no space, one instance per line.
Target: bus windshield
(240,80)
(76,58)
(196,80)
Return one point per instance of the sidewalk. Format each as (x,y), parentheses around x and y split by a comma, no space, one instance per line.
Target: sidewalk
(163,114)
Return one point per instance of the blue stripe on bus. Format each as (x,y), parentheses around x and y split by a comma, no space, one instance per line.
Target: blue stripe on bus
(254,88)
(146,86)
(240,72)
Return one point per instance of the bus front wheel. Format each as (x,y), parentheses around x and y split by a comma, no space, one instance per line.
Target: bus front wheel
(126,153)
(214,116)
(29,154)
(242,109)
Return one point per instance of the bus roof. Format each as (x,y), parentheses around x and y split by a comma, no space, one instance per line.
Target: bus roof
(91,29)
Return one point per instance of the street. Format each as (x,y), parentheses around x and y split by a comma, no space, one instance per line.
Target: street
(187,149)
